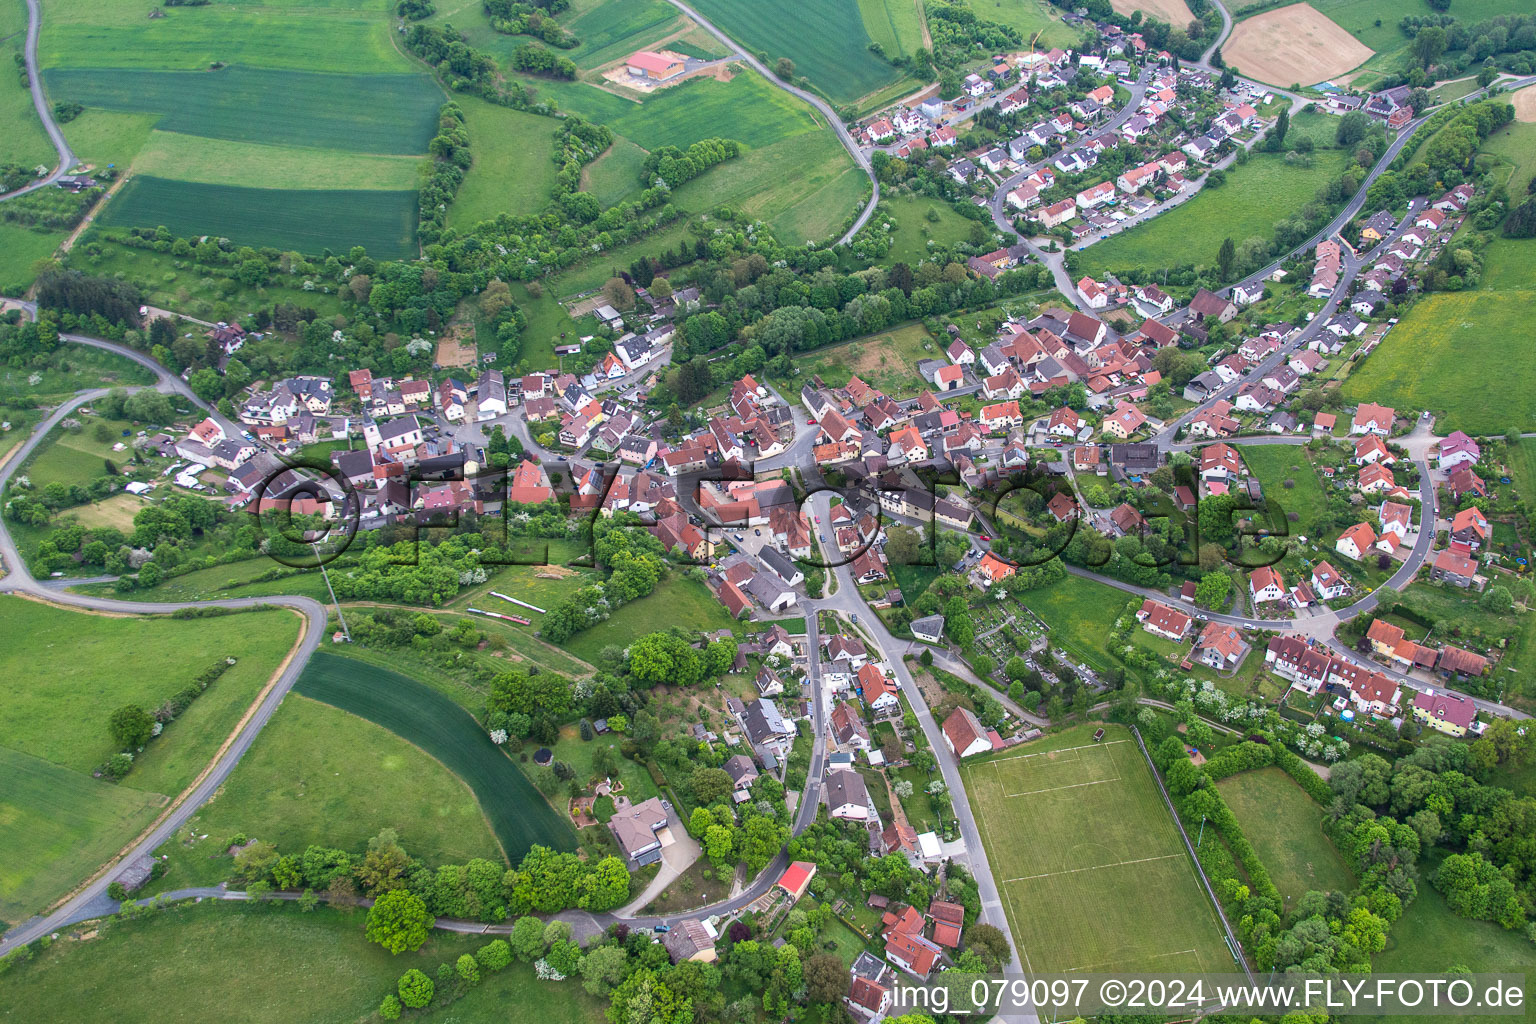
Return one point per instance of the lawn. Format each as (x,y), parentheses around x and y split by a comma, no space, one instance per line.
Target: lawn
(393,113)
(677,601)
(309,220)
(1285,826)
(914,231)
(1442,353)
(1273,465)
(314,967)
(1256,195)
(513,171)
(886,361)
(317,774)
(60,826)
(1077,833)
(828,41)
(549,323)
(518,815)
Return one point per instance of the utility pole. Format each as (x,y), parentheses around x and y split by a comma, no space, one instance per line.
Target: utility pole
(331,590)
(1198,840)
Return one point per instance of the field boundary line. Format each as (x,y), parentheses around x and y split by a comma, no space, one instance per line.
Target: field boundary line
(1096,867)
(1047,753)
(1055,789)
(1155,956)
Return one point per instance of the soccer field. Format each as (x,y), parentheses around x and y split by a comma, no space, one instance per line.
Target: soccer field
(1093,874)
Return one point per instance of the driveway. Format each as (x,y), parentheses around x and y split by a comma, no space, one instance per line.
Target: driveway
(677,856)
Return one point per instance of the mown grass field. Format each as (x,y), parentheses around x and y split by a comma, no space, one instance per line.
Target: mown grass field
(1077,835)
(61,674)
(305,220)
(518,814)
(1285,827)
(379,113)
(512,172)
(316,968)
(1256,195)
(827,40)
(222,162)
(318,774)
(60,826)
(1447,349)
(676,602)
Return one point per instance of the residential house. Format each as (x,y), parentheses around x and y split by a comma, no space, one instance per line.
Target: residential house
(636,829)
(1449,713)
(964,734)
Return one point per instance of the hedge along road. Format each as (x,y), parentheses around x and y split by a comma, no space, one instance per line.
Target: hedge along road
(517,812)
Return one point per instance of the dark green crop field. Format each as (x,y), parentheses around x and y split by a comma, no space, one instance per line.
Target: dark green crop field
(300,220)
(519,815)
(387,113)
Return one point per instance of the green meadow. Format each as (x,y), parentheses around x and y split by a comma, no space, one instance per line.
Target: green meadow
(62,673)
(1254,198)
(318,774)
(304,37)
(519,816)
(196,962)
(513,171)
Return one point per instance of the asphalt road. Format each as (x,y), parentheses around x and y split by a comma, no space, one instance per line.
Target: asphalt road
(20,581)
(816,101)
(44,112)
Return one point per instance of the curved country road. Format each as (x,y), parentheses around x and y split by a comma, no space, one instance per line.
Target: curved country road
(816,101)
(40,101)
(20,581)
